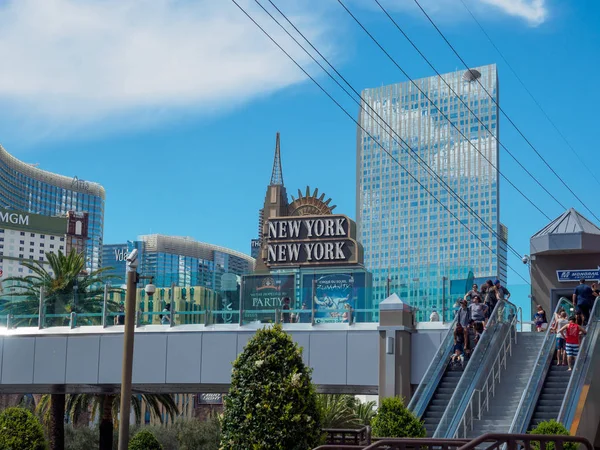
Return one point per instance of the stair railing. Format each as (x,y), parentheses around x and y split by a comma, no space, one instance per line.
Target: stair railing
(535,384)
(502,323)
(581,374)
(422,396)
(480,398)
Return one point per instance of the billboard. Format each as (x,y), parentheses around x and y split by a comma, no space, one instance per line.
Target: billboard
(262,294)
(333,294)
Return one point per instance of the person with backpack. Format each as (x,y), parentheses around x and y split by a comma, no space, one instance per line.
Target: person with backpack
(572,332)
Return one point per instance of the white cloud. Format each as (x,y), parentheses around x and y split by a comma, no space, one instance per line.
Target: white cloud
(84,61)
(533,11)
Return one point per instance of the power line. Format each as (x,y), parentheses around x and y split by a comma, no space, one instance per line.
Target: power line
(509,119)
(360,126)
(360,104)
(537,103)
(391,58)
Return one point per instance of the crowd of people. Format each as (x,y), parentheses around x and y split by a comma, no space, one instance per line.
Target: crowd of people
(475,310)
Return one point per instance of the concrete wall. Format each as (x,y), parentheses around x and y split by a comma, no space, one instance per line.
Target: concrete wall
(543,273)
(189,358)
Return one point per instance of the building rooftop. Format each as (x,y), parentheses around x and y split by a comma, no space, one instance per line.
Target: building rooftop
(567,223)
(72,184)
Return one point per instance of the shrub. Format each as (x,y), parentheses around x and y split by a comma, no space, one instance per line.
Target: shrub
(80,438)
(337,411)
(272,403)
(393,419)
(144,440)
(552,428)
(196,435)
(20,430)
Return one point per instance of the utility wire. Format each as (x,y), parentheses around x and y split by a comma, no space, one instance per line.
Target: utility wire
(391,58)
(537,103)
(364,130)
(510,120)
(412,152)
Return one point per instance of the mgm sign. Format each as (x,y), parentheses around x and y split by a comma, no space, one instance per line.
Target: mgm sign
(311,240)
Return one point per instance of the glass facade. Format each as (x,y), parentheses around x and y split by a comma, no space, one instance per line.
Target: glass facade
(181,261)
(25,187)
(414,246)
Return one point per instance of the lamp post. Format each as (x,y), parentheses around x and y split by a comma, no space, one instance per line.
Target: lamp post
(125,408)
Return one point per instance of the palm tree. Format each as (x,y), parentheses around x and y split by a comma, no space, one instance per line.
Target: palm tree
(107,407)
(67,288)
(337,411)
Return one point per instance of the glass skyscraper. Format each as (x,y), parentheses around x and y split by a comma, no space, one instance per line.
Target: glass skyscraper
(414,246)
(26,188)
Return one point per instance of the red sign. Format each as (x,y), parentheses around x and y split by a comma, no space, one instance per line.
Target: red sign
(1,272)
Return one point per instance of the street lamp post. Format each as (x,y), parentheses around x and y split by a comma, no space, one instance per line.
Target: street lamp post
(128,336)
(127,370)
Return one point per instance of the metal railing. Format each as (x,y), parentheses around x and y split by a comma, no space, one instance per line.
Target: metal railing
(580,376)
(354,437)
(535,384)
(490,441)
(502,322)
(524,441)
(422,396)
(480,398)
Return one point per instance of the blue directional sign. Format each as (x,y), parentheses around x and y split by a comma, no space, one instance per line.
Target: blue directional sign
(576,275)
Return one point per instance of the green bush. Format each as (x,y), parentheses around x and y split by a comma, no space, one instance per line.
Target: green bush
(81,438)
(144,440)
(552,428)
(20,430)
(196,435)
(272,403)
(393,419)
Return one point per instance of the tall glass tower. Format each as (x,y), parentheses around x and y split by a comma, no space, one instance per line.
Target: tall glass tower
(26,188)
(414,246)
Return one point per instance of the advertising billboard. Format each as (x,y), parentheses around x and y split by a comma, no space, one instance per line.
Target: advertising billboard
(333,294)
(262,294)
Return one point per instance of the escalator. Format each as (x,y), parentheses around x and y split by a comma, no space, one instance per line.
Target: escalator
(569,397)
(482,373)
(436,407)
(551,396)
(434,395)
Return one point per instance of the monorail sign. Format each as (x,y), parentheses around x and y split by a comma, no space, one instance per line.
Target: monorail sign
(311,240)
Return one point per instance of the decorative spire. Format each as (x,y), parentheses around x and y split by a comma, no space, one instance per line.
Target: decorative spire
(277,174)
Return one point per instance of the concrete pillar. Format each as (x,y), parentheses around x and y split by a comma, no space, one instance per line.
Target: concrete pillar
(396,324)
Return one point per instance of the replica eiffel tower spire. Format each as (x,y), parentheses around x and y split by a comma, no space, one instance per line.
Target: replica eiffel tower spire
(277,173)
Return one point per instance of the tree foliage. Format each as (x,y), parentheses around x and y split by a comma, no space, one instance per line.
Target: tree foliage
(20,430)
(393,419)
(144,440)
(272,403)
(338,411)
(552,428)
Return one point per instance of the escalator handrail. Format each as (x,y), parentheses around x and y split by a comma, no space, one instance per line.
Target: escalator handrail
(422,396)
(535,384)
(582,364)
(472,374)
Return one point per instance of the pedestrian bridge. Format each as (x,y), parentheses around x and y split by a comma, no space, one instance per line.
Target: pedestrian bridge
(197,358)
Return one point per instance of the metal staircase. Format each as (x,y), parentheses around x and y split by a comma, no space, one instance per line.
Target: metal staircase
(498,415)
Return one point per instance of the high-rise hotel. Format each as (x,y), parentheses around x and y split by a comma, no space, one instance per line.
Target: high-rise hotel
(24,188)
(414,246)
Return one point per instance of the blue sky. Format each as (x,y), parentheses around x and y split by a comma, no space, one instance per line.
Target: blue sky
(173,106)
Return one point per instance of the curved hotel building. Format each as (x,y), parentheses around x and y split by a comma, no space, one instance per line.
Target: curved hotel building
(24,187)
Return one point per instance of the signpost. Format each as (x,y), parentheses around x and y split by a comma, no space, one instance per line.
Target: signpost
(567,276)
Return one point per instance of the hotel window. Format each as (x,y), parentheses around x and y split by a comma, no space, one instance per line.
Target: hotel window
(32,235)
(22,233)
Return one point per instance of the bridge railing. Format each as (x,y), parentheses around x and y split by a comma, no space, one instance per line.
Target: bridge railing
(484,442)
